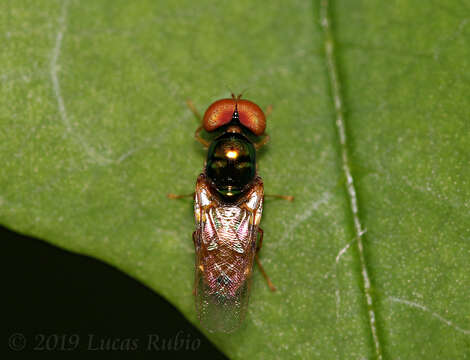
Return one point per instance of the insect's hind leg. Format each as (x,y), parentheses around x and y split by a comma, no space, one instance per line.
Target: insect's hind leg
(258,248)
(195,278)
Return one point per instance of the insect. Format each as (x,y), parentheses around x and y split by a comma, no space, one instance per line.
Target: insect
(228,204)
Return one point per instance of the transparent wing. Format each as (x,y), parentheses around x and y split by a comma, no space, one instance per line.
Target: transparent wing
(219,311)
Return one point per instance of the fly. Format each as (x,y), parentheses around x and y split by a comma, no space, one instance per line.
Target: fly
(228,204)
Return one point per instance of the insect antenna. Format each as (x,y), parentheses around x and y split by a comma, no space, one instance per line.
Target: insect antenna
(236,98)
(244,91)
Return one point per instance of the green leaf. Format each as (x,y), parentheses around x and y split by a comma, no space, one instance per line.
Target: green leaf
(95,133)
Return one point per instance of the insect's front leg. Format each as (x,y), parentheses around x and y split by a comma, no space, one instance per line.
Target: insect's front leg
(197,135)
(262,142)
(266,137)
(199,138)
(194,110)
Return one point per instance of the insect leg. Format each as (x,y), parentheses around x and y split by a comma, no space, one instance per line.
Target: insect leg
(195,278)
(258,247)
(199,138)
(194,237)
(260,241)
(266,137)
(197,135)
(283,197)
(194,110)
(262,142)
(174,196)
(268,110)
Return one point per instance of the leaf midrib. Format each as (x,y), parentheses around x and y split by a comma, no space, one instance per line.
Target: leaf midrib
(346,166)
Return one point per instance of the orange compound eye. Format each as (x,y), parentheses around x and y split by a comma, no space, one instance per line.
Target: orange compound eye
(251,116)
(220,113)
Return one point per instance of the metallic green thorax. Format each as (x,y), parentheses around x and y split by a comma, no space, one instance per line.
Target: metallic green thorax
(231,163)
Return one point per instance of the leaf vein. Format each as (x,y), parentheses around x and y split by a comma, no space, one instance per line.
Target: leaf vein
(54,69)
(345,164)
(433,314)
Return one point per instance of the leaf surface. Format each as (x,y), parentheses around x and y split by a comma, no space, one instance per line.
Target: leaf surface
(95,133)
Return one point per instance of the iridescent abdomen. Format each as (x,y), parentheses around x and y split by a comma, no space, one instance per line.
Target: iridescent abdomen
(230,240)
